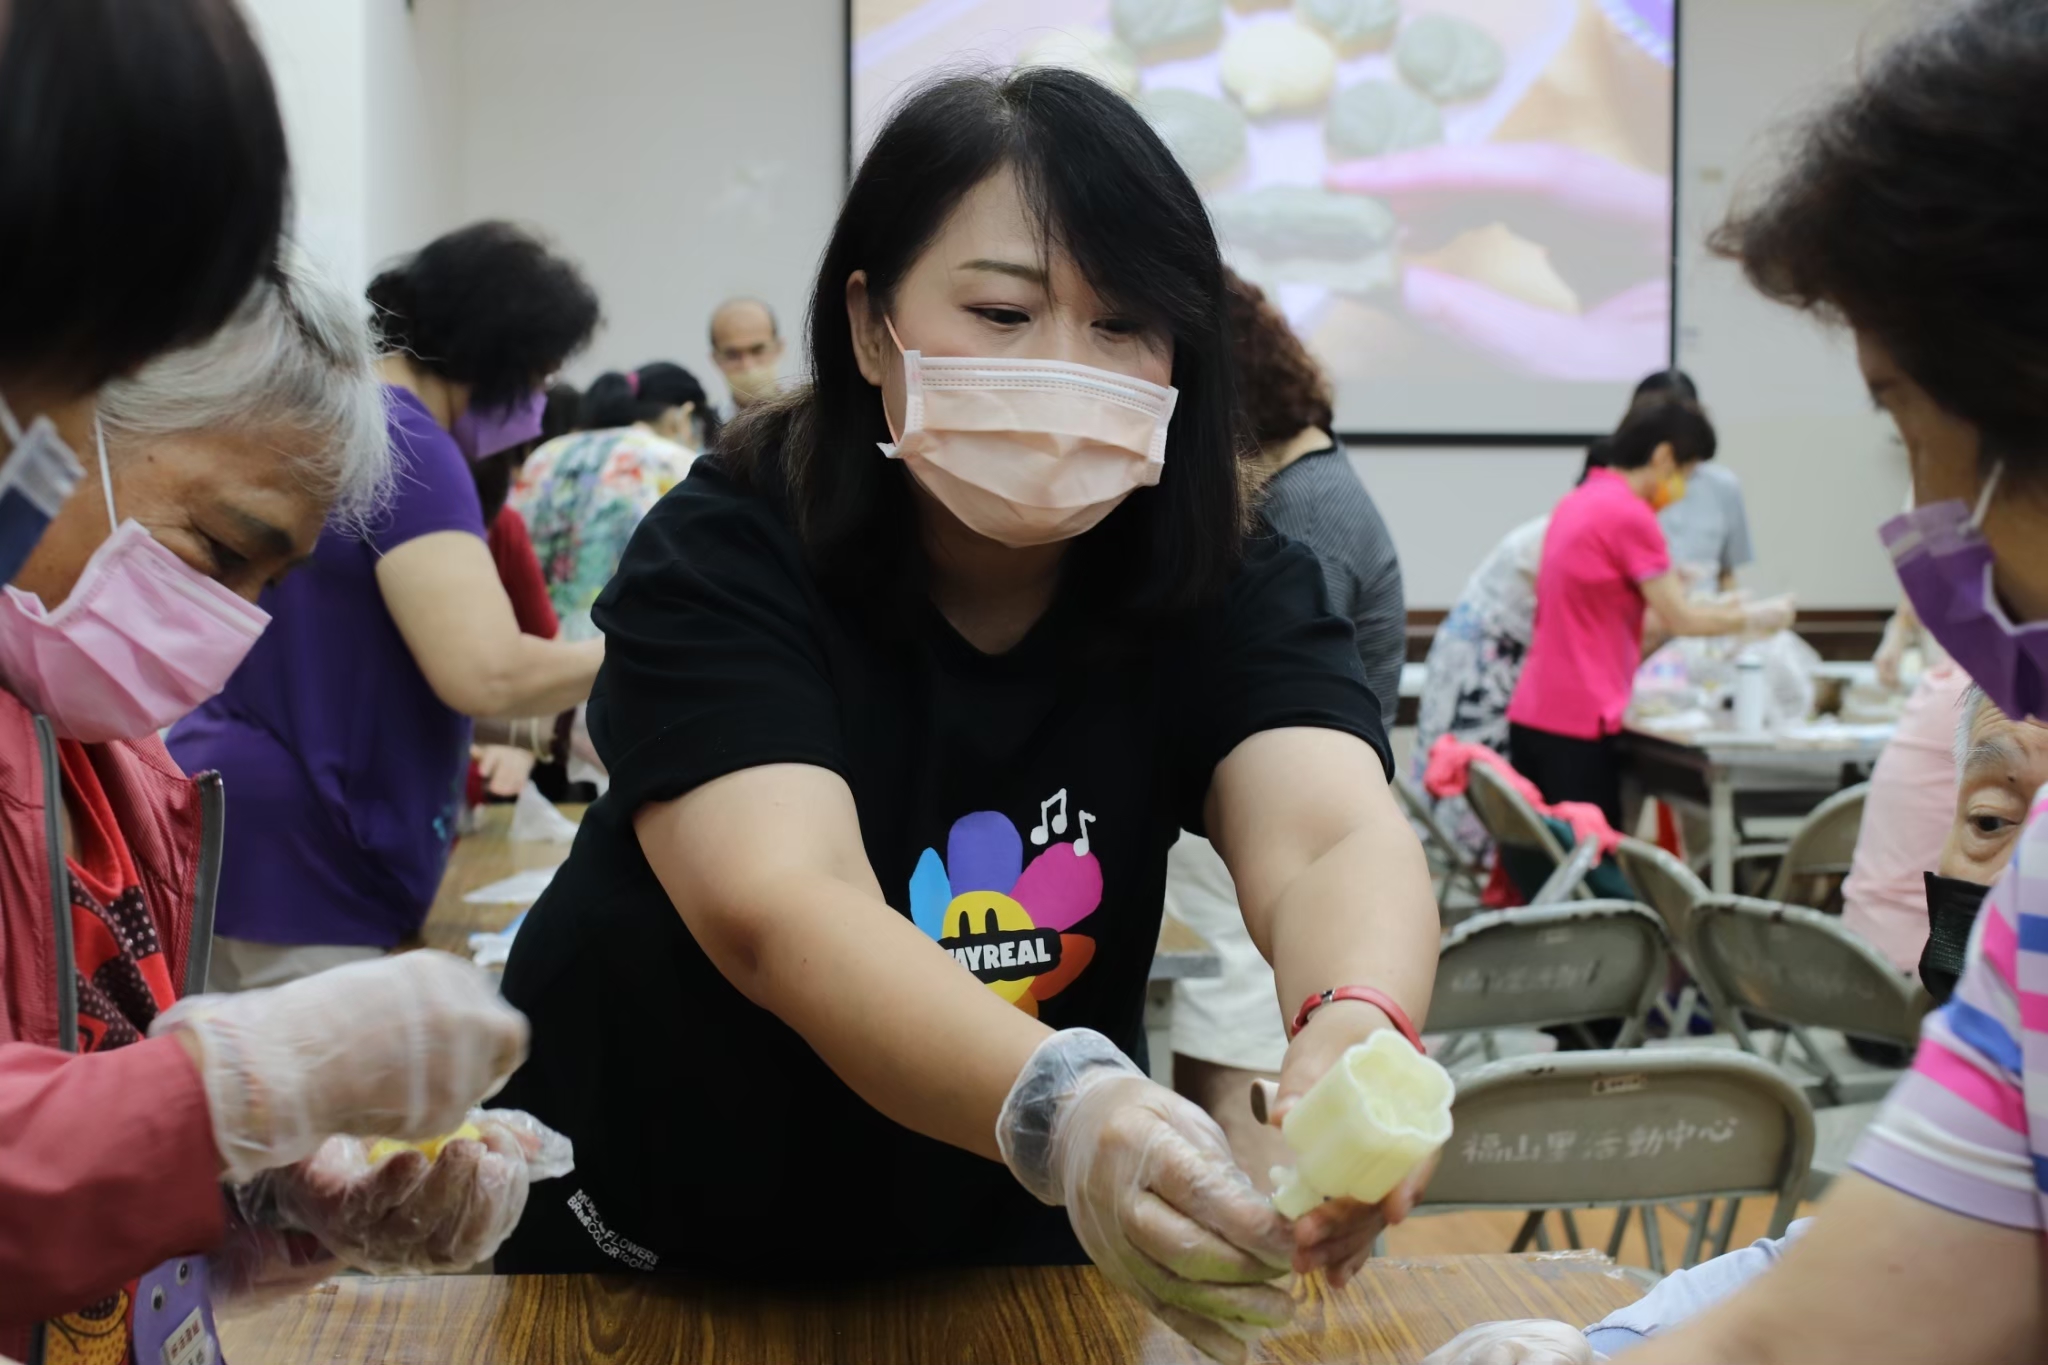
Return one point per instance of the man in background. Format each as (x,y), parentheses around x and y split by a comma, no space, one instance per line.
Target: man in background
(746,346)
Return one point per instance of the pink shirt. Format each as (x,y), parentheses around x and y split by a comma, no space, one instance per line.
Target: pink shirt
(1906,820)
(1604,543)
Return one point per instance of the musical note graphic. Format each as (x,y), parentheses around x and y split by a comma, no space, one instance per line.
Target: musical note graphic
(1081,844)
(1057,819)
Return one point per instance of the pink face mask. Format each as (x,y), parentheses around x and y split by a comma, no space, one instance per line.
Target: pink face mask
(1027,452)
(142,639)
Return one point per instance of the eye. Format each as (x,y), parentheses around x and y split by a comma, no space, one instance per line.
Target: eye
(1001,316)
(1990,825)
(1121,327)
(227,561)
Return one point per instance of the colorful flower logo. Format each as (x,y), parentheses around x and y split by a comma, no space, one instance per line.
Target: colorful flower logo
(1001,920)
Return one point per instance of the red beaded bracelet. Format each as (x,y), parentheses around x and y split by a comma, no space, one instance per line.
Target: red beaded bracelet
(1369,995)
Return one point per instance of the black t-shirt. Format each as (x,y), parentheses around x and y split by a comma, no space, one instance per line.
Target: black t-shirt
(1017,807)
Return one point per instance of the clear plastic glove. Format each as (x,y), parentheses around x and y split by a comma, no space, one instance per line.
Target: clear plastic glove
(257,1266)
(405,1214)
(1150,1187)
(1769,616)
(399,1047)
(1530,1341)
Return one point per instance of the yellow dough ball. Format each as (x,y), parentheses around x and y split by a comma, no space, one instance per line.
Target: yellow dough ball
(1275,66)
(384,1148)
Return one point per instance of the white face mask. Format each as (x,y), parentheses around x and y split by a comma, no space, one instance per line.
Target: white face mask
(1027,452)
(38,476)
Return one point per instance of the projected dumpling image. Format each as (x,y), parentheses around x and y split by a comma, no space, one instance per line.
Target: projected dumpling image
(1464,206)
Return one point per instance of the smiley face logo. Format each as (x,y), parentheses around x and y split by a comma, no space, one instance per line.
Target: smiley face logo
(1001,920)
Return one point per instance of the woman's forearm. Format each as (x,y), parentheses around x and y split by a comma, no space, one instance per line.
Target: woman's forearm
(536,677)
(1361,914)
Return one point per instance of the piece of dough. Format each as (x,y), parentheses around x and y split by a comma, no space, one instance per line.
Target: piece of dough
(1355,26)
(1293,234)
(1090,52)
(1206,136)
(1254,6)
(1373,118)
(1276,66)
(431,1148)
(1507,264)
(1161,30)
(1449,59)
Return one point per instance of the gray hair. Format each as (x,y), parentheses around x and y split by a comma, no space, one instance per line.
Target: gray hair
(296,357)
(1968,708)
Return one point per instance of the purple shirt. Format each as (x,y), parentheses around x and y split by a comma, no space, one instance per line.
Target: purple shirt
(343,770)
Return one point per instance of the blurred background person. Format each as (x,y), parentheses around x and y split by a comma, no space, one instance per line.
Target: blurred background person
(746,346)
(347,731)
(1227,1030)
(1707,529)
(582,495)
(1604,563)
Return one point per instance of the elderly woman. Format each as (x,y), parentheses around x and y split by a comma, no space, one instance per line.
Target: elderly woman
(122,1113)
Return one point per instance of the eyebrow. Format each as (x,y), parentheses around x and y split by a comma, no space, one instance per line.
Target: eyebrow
(1031,273)
(275,543)
(1992,755)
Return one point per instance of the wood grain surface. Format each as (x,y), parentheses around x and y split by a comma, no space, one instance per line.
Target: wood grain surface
(1396,1311)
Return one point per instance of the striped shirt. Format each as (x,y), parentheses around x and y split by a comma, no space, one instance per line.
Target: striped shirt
(1967,1127)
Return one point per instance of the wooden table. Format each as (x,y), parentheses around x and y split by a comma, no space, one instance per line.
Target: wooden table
(1396,1311)
(487,855)
(1713,769)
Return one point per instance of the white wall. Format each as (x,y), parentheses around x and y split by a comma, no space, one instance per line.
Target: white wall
(684,150)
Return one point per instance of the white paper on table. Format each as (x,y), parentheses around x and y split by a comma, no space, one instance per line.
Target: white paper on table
(495,950)
(521,888)
(536,821)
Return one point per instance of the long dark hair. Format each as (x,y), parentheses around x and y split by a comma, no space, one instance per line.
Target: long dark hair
(617,399)
(1914,207)
(143,180)
(1108,193)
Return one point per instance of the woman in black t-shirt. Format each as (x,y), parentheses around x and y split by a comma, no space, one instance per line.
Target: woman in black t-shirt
(899,739)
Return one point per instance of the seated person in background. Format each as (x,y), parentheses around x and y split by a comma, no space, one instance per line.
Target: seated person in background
(1228,1030)
(1906,818)
(2003,763)
(346,733)
(1475,660)
(584,494)
(746,345)
(1708,527)
(505,751)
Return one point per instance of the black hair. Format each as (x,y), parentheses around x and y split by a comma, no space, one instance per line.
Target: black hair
(488,305)
(558,415)
(494,475)
(1914,207)
(643,395)
(1665,417)
(143,180)
(1666,381)
(1106,192)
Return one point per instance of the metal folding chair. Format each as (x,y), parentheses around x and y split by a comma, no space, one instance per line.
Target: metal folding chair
(1815,860)
(1799,970)
(1627,1130)
(1670,888)
(1514,824)
(1548,966)
(1453,865)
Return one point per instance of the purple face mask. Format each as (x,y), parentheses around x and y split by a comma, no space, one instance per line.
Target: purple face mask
(483,432)
(1944,564)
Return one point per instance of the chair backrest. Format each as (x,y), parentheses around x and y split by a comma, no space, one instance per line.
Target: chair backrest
(1573,1129)
(1509,818)
(1818,856)
(1457,863)
(1536,967)
(1665,883)
(1795,966)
